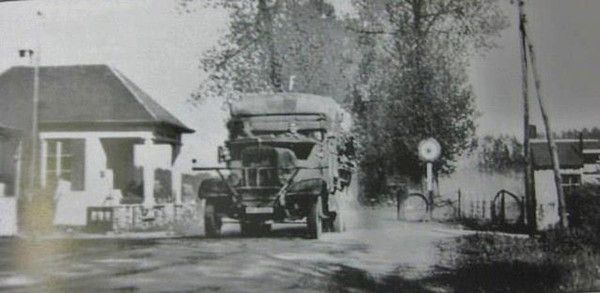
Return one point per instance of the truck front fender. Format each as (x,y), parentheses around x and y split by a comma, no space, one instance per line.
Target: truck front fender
(314,187)
(213,187)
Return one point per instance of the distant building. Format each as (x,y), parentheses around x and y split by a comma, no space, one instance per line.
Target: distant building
(101,138)
(579,164)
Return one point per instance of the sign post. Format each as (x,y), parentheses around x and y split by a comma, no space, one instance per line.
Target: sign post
(429,151)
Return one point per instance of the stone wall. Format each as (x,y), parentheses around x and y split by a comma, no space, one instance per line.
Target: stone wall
(167,217)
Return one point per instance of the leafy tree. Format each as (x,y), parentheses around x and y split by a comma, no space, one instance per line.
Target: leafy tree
(585,133)
(412,81)
(499,154)
(271,43)
(400,63)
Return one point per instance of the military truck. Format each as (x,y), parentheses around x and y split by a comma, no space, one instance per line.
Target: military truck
(288,158)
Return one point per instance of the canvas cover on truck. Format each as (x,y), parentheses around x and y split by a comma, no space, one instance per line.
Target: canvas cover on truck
(305,110)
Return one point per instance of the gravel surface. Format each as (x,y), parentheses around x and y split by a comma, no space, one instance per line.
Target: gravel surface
(377,253)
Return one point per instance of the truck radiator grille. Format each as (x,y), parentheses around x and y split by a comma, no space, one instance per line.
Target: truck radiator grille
(258,196)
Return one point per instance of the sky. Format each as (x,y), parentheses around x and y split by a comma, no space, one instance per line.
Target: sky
(566,39)
(158,46)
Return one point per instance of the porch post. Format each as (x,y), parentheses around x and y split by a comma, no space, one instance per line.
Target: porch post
(43,162)
(176,185)
(95,166)
(18,161)
(58,159)
(148,170)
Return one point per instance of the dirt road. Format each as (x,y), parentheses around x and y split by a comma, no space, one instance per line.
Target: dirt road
(376,254)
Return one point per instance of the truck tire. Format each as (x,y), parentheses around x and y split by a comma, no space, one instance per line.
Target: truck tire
(314,222)
(338,224)
(212,221)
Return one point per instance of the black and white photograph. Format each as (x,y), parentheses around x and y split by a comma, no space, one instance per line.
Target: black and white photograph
(300,146)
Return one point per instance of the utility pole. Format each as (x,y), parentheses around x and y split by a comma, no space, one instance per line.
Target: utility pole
(528,45)
(34,127)
(34,59)
(530,196)
(35,56)
(562,213)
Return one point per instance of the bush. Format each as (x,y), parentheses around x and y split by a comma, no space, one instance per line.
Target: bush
(583,206)
(553,262)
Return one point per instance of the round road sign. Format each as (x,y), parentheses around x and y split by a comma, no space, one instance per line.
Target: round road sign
(429,150)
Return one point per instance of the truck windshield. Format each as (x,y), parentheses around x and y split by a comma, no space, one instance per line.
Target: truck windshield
(301,149)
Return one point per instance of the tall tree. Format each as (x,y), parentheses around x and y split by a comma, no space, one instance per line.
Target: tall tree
(412,81)
(271,42)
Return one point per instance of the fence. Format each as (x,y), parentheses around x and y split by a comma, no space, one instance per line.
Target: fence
(502,208)
(499,210)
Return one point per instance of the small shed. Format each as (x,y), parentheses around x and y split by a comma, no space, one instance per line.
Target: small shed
(579,164)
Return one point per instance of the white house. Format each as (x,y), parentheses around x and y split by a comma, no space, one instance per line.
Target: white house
(101,138)
(579,164)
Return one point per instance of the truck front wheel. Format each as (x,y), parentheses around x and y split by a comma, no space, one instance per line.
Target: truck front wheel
(212,221)
(314,221)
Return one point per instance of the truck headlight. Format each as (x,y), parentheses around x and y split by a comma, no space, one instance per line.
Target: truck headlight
(234,179)
(284,175)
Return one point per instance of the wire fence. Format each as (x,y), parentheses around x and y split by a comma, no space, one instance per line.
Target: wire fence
(499,210)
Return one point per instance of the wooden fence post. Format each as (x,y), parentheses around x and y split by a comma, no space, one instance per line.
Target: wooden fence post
(523,210)
(472,209)
(459,204)
(502,208)
(541,215)
(483,208)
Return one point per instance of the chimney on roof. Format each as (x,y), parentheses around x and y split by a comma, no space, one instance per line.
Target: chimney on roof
(533,131)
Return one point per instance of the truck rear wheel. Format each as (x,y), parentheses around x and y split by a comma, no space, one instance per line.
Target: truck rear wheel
(314,222)
(212,221)
(338,224)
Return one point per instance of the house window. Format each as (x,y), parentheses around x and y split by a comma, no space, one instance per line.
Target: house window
(65,160)
(570,182)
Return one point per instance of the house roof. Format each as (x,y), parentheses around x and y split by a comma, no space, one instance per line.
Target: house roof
(569,153)
(96,94)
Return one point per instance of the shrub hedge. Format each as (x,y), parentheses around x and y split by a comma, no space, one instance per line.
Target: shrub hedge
(553,261)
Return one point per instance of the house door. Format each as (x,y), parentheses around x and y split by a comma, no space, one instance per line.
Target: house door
(119,158)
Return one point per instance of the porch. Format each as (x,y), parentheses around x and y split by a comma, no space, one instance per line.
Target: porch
(108,168)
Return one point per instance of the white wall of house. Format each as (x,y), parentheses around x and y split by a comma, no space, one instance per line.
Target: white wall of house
(591,174)
(8,216)
(71,205)
(546,196)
